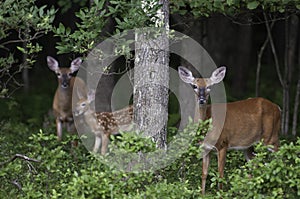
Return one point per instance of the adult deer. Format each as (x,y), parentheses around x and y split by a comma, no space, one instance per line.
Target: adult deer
(62,102)
(246,122)
(103,124)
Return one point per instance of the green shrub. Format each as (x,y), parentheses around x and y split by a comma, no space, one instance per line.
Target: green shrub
(164,190)
(67,172)
(269,175)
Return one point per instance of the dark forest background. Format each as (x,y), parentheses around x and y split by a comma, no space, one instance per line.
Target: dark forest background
(231,40)
(258,41)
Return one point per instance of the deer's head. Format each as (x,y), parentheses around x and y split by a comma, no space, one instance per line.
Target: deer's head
(64,75)
(84,103)
(202,85)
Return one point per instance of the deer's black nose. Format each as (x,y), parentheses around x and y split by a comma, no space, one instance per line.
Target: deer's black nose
(202,96)
(64,85)
(202,101)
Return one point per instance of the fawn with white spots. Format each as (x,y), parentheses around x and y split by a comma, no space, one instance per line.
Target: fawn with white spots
(103,124)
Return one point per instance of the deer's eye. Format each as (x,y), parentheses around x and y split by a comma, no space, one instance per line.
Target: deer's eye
(83,104)
(58,74)
(70,74)
(194,86)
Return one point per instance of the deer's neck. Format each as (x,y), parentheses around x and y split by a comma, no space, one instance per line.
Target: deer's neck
(65,94)
(89,112)
(90,118)
(202,112)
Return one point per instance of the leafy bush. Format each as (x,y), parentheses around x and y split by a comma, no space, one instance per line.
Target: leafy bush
(67,172)
(269,175)
(22,23)
(165,190)
(92,21)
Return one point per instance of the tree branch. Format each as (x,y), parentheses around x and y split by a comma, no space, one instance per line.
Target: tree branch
(19,156)
(259,57)
(273,49)
(21,40)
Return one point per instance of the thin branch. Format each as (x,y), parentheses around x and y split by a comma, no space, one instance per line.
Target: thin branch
(106,73)
(259,57)
(21,40)
(273,49)
(17,184)
(19,156)
(236,19)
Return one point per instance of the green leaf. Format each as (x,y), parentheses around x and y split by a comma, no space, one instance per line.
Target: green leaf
(230,2)
(252,5)
(61,28)
(100,4)
(41,11)
(21,49)
(68,31)
(118,20)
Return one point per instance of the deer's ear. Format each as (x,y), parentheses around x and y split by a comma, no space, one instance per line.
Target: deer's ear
(91,95)
(52,63)
(80,95)
(75,64)
(185,75)
(218,75)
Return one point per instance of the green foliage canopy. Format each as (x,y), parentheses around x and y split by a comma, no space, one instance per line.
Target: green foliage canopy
(231,7)
(22,23)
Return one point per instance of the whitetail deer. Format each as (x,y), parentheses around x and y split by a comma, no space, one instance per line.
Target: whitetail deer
(62,102)
(246,122)
(103,124)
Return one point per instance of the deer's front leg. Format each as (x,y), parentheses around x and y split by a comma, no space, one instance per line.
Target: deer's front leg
(249,153)
(221,163)
(71,126)
(104,144)
(97,143)
(58,128)
(205,164)
(71,129)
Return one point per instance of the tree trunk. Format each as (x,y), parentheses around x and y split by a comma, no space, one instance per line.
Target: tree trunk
(286,91)
(296,108)
(291,30)
(151,79)
(291,61)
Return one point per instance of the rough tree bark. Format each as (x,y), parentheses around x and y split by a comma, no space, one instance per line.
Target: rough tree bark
(151,78)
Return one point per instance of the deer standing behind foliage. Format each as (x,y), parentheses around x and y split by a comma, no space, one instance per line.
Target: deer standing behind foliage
(103,124)
(62,102)
(246,122)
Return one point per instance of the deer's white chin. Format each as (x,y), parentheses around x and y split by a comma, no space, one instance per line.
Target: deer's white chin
(202,105)
(77,113)
(64,86)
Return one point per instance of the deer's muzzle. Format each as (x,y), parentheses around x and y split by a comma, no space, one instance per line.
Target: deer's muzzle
(65,81)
